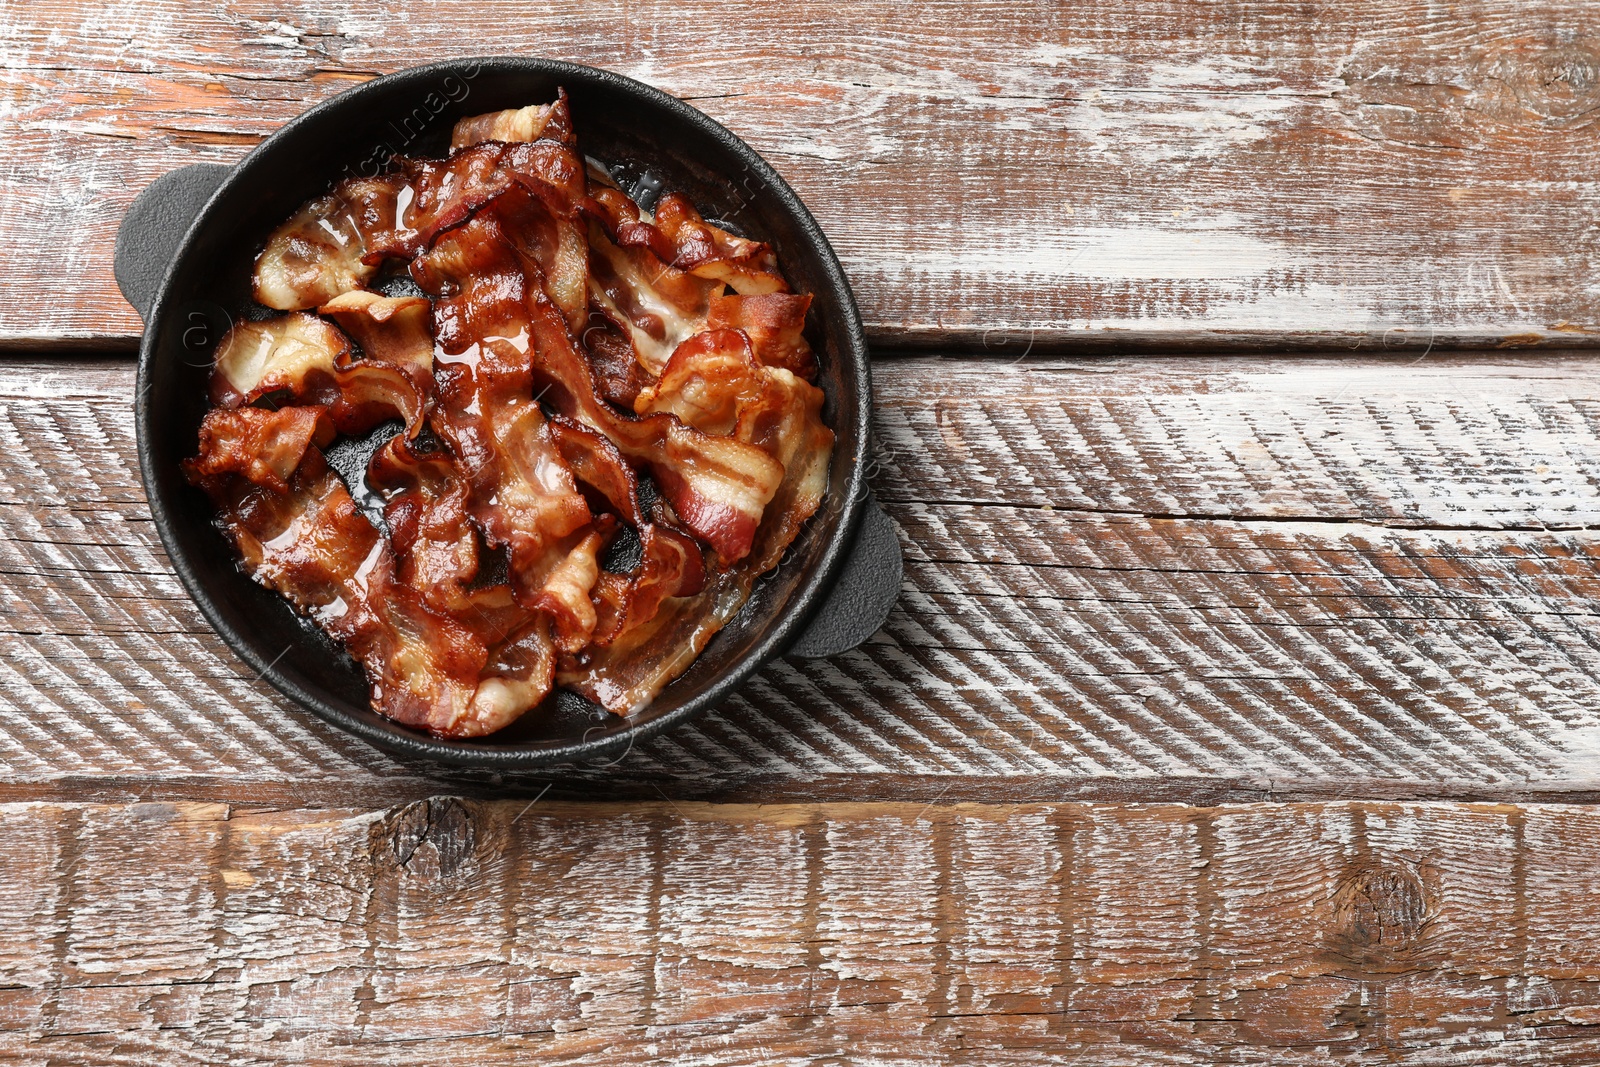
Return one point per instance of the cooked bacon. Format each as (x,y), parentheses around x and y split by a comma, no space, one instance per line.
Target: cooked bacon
(714,383)
(625,675)
(555,242)
(430,669)
(523,494)
(437,195)
(257,358)
(618,374)
(311,545)
(670,565)
(427,511)
(553,121)
(565,593)
(652,302)
(322,251)
(718,486)
(548,291)
(309,360)
(775,324)
(599,467)
(707,251)
(489,311)
(390,329)
(660,282)
(677,235)
(263,446)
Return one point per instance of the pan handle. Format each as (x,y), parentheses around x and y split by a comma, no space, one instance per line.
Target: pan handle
(867,588)
(154,226)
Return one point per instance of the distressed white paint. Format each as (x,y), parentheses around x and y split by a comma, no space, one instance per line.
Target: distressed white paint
(1181,175)
(1078,643)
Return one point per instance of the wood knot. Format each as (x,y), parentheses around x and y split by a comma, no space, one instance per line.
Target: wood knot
(1561,83)
(1378,912)
(1470,97)
(435,838)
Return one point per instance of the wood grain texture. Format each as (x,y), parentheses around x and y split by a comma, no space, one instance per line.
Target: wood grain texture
(451,931)
(1182,578)
(997,174)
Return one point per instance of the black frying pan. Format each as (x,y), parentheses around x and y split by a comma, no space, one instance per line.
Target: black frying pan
(183,259)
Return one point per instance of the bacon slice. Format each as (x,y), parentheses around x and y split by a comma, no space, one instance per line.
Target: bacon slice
(565,592)
(774,323)
(718,486)
(706,251)
(322,250)
(653,303)
(523,495)
(489,311)
(336,243)
(715,383)
(390,329)
(671,565)
(257,358)
(309,360)
(618,374)
(436,195)
(596,464)
(660,282)
(554,241)
(626,674)
(263,446)
(426,509)
(311,545)
(553,121)
(428,668)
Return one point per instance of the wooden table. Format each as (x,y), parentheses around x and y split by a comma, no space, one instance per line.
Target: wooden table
(1242,703)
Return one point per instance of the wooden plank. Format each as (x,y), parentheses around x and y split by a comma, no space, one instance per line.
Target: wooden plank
(454,931)
(996,174)
(1181,578)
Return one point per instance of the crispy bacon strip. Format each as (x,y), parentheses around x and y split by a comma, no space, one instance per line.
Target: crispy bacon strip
(552,121)
(547,233)
(718,486)
(671,565)
(706,251)
(427,669)
(437,195)
(565,592)
(653,303)
(322,250)
(618,374)
(714,383)
(263,446)
(596,464)
(523,494)
(677,234)
(309,360)
(457,674)
(427,512)
(395,330)
(775,324)
(489,311)
(626,674)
